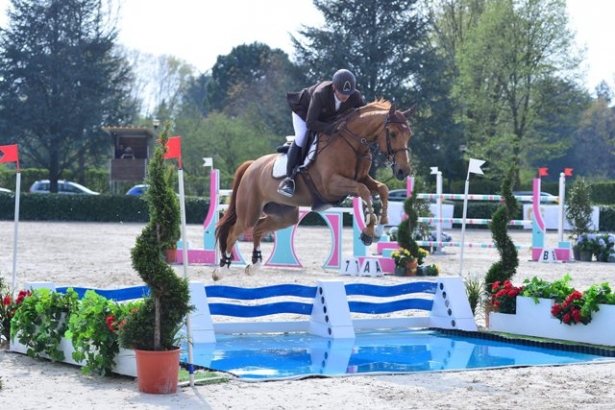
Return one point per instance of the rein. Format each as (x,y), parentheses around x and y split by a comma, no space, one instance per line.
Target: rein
(390,154)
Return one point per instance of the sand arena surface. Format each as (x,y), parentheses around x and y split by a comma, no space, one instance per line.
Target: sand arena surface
(98,255)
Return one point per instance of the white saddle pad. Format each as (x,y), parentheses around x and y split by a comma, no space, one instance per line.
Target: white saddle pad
(279,166)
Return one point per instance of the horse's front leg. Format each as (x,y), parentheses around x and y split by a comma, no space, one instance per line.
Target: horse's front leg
(383,192)
(340,186)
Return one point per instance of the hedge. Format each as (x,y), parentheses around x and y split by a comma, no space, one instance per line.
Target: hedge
(127,208)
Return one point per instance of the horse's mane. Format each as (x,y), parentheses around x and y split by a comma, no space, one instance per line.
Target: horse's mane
(374,106)
(380,104)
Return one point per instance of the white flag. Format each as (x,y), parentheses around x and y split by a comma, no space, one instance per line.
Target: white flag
(475,165)
(208,162)
(434,170)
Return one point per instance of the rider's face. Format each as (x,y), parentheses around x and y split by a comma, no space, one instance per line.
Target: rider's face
(340,96)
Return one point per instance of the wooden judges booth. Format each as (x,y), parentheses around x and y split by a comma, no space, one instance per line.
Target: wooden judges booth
(133,147)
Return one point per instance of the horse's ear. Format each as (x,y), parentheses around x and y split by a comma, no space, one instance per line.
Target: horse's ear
(409,111)
(392,110)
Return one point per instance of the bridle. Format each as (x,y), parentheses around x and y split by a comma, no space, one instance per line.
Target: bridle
(373,146)
(391,153)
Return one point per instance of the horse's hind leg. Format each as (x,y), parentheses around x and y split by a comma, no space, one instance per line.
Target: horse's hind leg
(278,217)
(226,257)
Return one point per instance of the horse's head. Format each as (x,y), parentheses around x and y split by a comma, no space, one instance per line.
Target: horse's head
(395,144)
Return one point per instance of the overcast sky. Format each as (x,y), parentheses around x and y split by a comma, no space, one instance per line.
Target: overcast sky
(198,31)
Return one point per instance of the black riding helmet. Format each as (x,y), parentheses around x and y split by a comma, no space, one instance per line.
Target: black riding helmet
(344,81)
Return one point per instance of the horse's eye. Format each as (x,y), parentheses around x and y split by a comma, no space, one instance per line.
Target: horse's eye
(393,134)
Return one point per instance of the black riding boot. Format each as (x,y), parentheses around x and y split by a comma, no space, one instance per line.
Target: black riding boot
(287,186)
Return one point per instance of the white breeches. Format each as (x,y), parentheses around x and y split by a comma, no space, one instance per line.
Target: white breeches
(300,130)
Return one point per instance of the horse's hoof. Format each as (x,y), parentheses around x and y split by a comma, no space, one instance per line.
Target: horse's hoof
(367,240)
(251,269)
(217,275)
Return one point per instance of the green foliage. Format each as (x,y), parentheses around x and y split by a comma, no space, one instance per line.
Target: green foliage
(501,62)
(91,208)
(409,228)
(155,324)
(597,294)
(540,289)
(93,330)
(475,292)
(41,320)
(506,267)
(6,306)
(579,208)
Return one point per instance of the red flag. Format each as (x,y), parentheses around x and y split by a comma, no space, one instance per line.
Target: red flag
(567,172)
(9,154)
(174,149)
(542,172)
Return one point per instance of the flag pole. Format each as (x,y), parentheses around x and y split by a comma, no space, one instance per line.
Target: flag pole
(180,174)
(16,229)
(474,168)
(463,222)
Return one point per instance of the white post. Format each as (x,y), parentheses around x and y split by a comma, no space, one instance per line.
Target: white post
(439,206)
(463,223)
(180,174)
(16,233)
(562,197)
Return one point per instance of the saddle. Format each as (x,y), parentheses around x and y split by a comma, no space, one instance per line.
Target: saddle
(279,170)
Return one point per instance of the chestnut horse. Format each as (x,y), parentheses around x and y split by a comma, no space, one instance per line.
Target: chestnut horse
(340,169)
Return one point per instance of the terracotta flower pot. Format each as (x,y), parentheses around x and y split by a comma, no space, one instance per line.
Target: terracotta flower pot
(412,267)
(171,255)
(158,371)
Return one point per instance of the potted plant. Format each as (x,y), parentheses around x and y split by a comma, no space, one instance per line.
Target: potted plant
(405,263)
(151,330)
(506,267)
(578,212)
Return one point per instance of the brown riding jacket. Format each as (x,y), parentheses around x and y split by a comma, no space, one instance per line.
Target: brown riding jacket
(316,106)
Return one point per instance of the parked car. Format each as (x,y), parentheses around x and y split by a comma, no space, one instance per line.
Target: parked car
(398,195)
(395,195)
(64,187)
(138,190)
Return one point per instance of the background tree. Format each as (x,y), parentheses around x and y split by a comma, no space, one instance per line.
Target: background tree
(559,106)
(515,45)
(60,80)
(594,144)
(254,77)
(381,42)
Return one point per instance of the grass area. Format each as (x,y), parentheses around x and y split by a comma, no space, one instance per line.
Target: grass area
(202,377)
(546,340)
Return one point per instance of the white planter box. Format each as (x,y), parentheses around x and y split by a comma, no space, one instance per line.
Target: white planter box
(125,361)
(534,319)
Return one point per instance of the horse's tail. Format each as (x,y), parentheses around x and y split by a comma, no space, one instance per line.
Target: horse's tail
(223,227)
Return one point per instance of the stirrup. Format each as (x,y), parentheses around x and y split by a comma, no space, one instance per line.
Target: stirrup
(287,187)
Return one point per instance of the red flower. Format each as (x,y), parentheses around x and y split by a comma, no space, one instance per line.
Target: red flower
(7,300)
(504,296)
(111,323)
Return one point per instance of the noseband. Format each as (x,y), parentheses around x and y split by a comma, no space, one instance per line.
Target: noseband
(391,153)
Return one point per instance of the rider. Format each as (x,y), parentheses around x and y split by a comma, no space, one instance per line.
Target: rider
(314,108)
